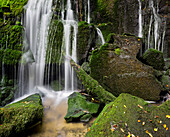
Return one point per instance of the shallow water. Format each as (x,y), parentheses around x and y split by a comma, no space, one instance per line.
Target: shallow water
(53,123)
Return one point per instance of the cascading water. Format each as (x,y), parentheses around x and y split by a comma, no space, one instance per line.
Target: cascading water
(140,20)
(157,27)
(100,36)
(37,18)
(69,25)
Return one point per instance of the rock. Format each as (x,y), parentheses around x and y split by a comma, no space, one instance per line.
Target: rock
(117,69)
(19,116)
(79,109)
(154,58)
(165,80)
(86,37)
(132,115)
(92,86)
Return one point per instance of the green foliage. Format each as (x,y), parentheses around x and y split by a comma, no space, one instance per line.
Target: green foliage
(118,51)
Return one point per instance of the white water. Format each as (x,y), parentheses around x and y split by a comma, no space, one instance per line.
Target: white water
(37,18)
(88,20)
(157,29)
(100,36)
(69,24)
(140,20)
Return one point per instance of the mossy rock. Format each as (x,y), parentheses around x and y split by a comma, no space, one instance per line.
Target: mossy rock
(92,86)
(154,58)
(79,109)
(165,80)
(132,115)
(86,38)
(117,69)
(17,117)
(55,39)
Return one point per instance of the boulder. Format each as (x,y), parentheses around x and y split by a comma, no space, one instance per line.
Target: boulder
(154,58)
(17,117)
(132,116)
(117,69)
(79,109)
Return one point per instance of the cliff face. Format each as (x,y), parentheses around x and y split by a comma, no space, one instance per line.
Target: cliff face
(122,16)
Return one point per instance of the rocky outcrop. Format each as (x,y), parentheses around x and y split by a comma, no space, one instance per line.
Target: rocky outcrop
(154,58)
(132,116)
(117,69)
(17,117)
(79,109)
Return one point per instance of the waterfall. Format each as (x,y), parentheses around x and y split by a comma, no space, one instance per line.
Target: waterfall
(69,24)
(100,35)
(88,20)
(140,20)
(36,22)
(157,27)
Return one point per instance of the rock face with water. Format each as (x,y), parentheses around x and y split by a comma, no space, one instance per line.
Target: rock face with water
(17,117)
(132,115)
(117,69)
(79,109)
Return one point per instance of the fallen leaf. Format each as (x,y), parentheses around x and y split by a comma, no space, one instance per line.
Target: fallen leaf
(138,39)
(156,117)
(167,116)
(164,125)
(149,133)
(95,123)
(88,130)
(143,123)
(122,130)
(114,125)
(139,121)
(125,106)
(140,106)
(166,128)
(155,129)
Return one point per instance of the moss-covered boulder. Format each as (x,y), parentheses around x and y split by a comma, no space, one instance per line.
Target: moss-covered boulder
(154,58)
(79,109)
(86,39)
(17,117)
(165,80)
(129,115)
(117,69)
(92,86)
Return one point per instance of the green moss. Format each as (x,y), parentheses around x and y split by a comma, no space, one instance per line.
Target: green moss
(55,39)
(119,118)
(78,107)
(92,86)
(17,117)
(154,58)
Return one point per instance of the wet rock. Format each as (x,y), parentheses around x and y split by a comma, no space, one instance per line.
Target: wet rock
(17,117)
(86,37)
(154,58)
(117,69)
(79,109)
(131,115)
